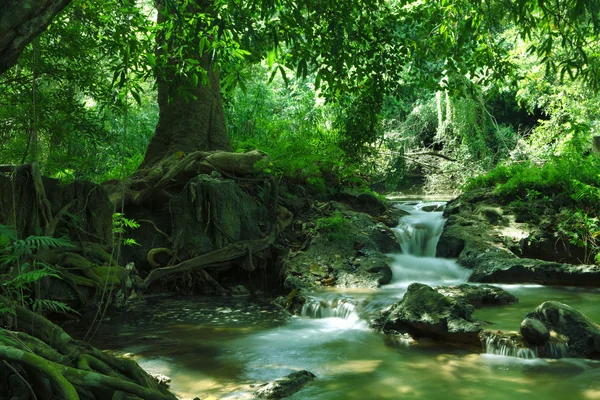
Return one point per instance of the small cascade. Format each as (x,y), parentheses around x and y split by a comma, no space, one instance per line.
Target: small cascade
(338,313)
(502,346)
(419,232)
(407,269)
(556,350)
(337,308)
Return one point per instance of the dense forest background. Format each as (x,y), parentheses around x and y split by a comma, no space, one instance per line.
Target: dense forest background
(211,127)
(388,91)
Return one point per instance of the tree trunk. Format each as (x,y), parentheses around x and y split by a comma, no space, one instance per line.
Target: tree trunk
(185,124)
(21,21)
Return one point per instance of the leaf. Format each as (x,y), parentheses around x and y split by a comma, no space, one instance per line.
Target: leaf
(273,73)
(136,97)
(284,76)
(151,59)
(271,58)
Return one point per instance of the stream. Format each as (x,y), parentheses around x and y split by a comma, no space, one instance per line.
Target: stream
(218,348)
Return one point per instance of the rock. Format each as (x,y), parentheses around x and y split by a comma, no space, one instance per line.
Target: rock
(391,217)
(362,202)
(162,380)
(486,237)
(534,332)
(286,386)
(239,290)
(212,213)
(582,334)
(353,258)
(424,312)
(524,270)
(478,295)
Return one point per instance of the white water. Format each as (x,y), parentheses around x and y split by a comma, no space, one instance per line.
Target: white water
(418,234)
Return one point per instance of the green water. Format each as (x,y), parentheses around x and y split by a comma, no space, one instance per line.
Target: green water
(218,348)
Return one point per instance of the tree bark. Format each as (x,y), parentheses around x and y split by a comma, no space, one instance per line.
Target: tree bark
(185,124)
(21,21)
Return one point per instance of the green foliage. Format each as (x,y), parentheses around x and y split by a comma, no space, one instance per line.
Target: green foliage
(21,270)
(581,230)
(120,226)
(334,226)
(290,123)
(571,176)
(570,182)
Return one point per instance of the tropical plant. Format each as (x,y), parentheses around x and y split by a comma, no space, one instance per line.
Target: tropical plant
(22,271)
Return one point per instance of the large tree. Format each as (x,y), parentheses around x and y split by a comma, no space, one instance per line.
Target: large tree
(21,21)
(353,46)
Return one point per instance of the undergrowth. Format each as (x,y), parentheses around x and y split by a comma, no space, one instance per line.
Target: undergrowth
(569,183)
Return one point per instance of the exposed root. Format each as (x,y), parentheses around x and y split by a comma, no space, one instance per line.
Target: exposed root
(216,257)
(72,367)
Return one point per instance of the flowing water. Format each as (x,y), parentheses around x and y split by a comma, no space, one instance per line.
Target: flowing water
(221,347)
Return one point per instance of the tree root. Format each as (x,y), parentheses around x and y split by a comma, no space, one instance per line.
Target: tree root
(146,186)
(216,257)
(73,367)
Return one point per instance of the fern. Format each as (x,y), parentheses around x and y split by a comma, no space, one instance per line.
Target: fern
(30,274)
(41,305)
(584,192)
(20,269)
(120,226)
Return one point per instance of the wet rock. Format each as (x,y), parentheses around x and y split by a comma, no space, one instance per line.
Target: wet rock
(286,386)
(534,331)
(362,202)
(523,270)
(239,290)
(486,237)
(162,380)
(292,303)
(582,334)
(391,217)
(478,295)
(354,257)
(424,312)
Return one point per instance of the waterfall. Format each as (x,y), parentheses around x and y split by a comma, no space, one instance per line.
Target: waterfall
(337,308)
(418,234)
(495,344)
(334,312)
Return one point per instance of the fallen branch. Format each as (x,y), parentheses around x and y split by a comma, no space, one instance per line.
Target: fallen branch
(430,153)
(226,253)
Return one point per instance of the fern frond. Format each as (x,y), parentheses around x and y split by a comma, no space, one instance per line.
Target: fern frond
(29,277)
(41,242)
(40,305)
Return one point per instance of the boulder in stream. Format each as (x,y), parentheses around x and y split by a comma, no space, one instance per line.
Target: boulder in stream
(534,331)
(487,238)
(424,312)
(582,334)
(286,386)
(478,295)
(350,253)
